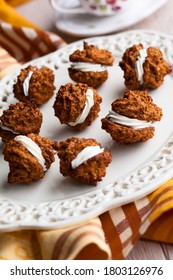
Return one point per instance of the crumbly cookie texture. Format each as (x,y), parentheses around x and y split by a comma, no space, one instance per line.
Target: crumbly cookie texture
(125,135)
(70,103)
(155,68)
(24,166)
(41,84)
(20,118)
(94,55)
(136,105)
(92,79)
(89,172)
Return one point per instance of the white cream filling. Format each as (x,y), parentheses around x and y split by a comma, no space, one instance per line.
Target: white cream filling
(7,129)
(88,67)
(85,154)
(123,120)
(26,83)
(139,65)
(88,105)
(33,148)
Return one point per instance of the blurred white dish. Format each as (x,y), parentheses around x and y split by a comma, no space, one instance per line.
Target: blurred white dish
(83,25)
(94,7)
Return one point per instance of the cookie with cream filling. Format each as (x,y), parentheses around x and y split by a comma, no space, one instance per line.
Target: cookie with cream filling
(83,159)
(29,158)
(89,65)
(144,68)
(34,84)
(77,105)
(20,118)
(131,118)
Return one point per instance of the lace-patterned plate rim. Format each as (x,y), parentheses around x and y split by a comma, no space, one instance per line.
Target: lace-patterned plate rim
(144,179)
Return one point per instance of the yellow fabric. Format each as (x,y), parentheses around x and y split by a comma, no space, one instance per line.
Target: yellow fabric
(16,2)
(8,14)
(22,245)
(162,207)
(161,229)
(161,217)
(25,245)
(91,233)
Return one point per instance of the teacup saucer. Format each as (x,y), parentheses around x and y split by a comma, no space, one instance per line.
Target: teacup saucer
(89,25)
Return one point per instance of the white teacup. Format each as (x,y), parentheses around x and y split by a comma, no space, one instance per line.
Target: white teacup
(95,7)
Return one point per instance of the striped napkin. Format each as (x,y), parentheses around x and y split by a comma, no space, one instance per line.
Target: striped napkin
(113,234)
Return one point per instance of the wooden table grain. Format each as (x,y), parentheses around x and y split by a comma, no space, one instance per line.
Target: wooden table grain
(41,13)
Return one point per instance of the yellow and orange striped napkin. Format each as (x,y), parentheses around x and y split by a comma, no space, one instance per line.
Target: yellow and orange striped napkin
(113,234)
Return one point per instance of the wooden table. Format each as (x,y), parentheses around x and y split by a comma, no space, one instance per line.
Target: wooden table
(40,12)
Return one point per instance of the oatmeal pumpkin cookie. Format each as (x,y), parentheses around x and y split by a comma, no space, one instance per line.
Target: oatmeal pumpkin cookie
(131,118)
(83,159)
(29,158)
(77,105)
(34,84)
(89,65)
(20,118)
(144,68)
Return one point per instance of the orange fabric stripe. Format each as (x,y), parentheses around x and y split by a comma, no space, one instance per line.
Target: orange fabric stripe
(16,2)
(46,38)
(154,197)
(132,216)
(23,51)
(159,204)
(34,45)
(4,45)
(122,226)
(65,235)
(162,228)
(112,236)
(58,42)
(144,210)
(84,234)
(34,50)
(91,252)
(159,209)
(170,234)
(59,245)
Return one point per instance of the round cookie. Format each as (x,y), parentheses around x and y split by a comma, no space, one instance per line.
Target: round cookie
(83,159)
(29,158)
(34,84)
(77,105)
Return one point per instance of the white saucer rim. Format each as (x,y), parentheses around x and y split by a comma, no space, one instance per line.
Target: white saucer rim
(145,13)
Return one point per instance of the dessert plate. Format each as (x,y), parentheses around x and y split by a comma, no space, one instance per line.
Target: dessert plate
(136,170)
(89,25)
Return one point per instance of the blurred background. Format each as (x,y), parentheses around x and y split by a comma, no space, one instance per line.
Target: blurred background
(154,15)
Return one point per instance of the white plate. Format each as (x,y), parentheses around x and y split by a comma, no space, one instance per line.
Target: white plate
(135,171)
(88,25)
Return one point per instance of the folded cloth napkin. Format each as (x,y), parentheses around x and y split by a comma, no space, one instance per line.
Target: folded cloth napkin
(113,234)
